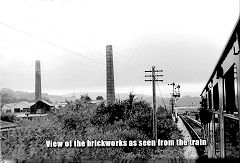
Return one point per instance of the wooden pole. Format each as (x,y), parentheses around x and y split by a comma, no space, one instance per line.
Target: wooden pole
(221,118)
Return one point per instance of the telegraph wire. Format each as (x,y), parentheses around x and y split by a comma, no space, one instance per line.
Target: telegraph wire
(72,40)
(126,58)
(48,42)
(55,45)
(42,51)
(68,50)
(58,46)
(161,95)
(145,58)
(51,54)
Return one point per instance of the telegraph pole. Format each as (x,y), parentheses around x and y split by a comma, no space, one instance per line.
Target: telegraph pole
(154,79)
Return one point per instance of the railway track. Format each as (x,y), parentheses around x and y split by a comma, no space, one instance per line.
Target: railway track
(195,130)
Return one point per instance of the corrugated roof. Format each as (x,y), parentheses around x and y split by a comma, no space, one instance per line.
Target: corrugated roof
(10,104)
(47,103)
(43,102)
(22,104)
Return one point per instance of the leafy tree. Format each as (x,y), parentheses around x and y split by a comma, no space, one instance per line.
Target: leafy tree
(7,96)
(99,98)
(85,98)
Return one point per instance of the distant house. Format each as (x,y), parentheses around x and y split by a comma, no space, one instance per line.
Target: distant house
(59,105)
(17,108)
(96,102)
(41,107)
(62,104)
(8,108)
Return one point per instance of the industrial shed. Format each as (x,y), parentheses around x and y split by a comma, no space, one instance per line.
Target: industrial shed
(41,107)
(17,108)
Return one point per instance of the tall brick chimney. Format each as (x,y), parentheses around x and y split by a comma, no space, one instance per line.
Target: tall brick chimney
(38,91)
(110,75)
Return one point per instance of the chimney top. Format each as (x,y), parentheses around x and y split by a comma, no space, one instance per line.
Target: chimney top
(109,47)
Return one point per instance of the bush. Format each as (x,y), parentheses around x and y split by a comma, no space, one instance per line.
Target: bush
(99,98)
(166,127)
(28,142)
(124,120)
(8,117)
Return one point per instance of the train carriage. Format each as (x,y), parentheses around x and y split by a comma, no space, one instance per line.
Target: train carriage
(221,97)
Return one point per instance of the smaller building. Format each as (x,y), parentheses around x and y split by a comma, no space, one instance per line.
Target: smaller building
(17,108)
(8,108)
(60,105)
(96,102)
(41,107)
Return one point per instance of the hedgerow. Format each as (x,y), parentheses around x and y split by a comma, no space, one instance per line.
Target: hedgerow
(128,120)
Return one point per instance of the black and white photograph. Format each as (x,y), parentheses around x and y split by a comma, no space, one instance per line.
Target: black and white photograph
(119,81)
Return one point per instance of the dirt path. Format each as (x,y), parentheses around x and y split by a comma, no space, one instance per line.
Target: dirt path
(189,151)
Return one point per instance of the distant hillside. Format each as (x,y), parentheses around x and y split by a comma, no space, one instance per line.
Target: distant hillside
(12,96)
(189,101)
(183,101)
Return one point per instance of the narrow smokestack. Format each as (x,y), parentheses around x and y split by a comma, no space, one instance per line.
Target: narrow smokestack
(110,75)
(38,91)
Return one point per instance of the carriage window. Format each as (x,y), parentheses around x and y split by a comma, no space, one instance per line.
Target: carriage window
(215,97)
(210,99)
(230,91)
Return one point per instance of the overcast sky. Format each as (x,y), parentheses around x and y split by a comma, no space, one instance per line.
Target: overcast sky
(185,38)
